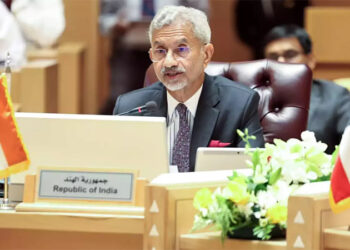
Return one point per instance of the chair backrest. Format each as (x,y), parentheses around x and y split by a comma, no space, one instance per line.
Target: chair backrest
(284,91)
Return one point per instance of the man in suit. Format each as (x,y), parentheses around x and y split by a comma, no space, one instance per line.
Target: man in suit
(200,109)
(126,21)
(329,111)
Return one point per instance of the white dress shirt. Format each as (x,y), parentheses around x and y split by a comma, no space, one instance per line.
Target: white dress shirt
(173,117)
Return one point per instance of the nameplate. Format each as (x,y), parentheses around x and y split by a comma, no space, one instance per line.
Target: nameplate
(92,184)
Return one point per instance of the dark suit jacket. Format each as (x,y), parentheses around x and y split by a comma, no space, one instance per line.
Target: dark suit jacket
(329,112)
(223,107)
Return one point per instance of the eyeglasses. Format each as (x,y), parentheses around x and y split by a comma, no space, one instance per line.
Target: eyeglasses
(178,53)
(288,55)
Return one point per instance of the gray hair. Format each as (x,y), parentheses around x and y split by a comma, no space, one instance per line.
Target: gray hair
(180,14)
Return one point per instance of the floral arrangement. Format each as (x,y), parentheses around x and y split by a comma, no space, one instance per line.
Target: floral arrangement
(259,202)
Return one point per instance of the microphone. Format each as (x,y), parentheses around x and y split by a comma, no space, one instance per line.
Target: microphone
(149,107)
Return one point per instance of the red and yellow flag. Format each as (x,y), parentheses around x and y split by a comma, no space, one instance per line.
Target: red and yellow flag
(339,195)
(10,138)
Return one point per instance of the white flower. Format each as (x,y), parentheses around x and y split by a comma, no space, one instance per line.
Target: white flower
(257,215)
(311,175)
(263,212)
(308,136)
(246,209)
(309,141)
(265,199)
(327,168)
(217,192)
(259,178)
(295,172)
(281,191)
(225,192)
(204,211)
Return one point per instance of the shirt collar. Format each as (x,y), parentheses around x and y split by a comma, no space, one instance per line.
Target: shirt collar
(191,103)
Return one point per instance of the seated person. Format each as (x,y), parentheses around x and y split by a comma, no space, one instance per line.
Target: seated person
(329,111)
(199,108)
(127,22)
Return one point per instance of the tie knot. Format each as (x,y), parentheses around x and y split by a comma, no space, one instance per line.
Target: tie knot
(182,109)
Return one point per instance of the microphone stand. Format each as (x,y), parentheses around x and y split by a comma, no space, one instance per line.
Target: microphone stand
(4,202)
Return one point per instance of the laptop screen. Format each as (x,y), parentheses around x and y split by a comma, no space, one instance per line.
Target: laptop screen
(123,142)
(208,159)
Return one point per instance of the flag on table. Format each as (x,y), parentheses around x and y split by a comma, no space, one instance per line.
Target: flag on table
(10,140)
(339,195)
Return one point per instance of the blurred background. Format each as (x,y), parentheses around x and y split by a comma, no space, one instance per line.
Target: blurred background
(78,56)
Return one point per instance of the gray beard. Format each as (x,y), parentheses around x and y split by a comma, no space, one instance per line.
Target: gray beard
(176,86)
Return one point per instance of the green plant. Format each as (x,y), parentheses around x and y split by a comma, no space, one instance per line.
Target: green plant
(260,200)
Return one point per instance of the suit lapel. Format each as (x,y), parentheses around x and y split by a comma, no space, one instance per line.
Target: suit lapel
(160,98)
(315,101)
(205,119)
(163,104)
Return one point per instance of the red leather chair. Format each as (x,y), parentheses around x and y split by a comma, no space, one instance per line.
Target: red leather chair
(284,91)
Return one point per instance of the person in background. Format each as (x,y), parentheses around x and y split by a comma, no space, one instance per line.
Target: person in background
(329,111)
(119,14)
(199,108)
(254,18)
(41,21)
(11,39)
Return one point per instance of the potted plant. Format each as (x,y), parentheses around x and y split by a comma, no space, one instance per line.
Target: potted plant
(255,206)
